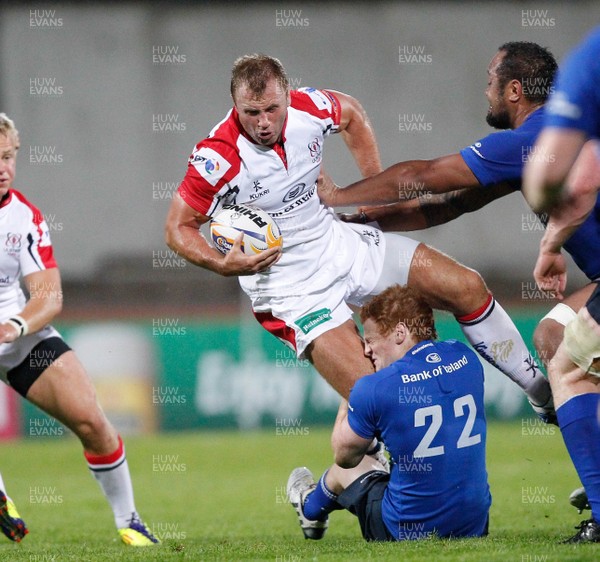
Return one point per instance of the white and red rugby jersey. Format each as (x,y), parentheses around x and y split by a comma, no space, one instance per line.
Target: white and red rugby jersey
(26,248)
(228,167)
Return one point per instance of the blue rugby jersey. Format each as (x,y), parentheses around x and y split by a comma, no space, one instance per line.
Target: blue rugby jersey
(501,157)
(428,410)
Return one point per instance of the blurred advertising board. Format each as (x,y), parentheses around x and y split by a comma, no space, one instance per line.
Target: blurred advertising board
(175,374)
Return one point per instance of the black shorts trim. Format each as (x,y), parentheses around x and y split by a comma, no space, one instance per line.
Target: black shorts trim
(363,498)
(37,361)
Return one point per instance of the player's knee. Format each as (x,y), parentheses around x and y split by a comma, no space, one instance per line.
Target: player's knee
(546,339)
(471,289)
(474,283)
(582,339)
(549,332)
(93,429)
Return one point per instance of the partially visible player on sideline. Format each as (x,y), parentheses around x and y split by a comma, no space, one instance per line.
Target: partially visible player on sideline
(38,364)
(438,481)
(268,152)
(433,192)
(573,116)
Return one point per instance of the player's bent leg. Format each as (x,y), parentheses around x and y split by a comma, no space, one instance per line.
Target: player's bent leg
(550,330)
(578,402)
(314,501)
(451,286)
(338,478)
(65,391)
(445,283)
(569,380)
(338,355)
(582,335)
(300,485)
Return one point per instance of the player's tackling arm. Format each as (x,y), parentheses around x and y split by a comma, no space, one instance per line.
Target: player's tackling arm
(432,209)
(183,237)
(405,180)
(348,447)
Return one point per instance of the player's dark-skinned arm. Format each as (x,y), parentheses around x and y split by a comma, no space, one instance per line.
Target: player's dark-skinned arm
(404,181)
(358,134)
(45,302)
(348,447)
(183,237)
(429,209)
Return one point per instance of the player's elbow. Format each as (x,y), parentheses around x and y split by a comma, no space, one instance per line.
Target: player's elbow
(171,237)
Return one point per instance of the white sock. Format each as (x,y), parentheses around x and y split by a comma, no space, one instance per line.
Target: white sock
(494,336)
(2,486)
(112,473)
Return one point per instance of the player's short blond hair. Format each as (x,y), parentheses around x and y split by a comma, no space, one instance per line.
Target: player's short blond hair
(8,129)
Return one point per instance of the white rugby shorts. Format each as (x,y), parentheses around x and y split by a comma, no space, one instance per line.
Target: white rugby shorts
(299,317)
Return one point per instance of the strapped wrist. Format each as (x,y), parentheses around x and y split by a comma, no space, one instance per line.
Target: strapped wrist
(20,324)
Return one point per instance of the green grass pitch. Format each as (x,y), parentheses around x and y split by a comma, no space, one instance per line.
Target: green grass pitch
(221,496)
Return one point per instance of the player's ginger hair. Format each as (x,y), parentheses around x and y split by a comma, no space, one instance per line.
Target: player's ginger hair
(8,129)
(401,304)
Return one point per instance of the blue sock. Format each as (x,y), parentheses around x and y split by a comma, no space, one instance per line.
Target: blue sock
(578,421)
(320,502)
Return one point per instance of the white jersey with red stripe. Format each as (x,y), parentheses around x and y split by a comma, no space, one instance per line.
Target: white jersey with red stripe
(229,167)
(26,248)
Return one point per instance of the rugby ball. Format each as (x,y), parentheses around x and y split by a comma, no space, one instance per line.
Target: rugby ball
(259,229)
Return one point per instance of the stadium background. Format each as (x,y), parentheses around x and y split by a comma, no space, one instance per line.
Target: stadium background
(110,99)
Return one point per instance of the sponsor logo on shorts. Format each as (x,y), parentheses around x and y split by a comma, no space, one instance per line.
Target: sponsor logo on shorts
(371,236)
(313,319)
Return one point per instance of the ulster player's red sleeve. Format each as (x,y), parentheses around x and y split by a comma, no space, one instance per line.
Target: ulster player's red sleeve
(211,167)
(319,103)
(37,253)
